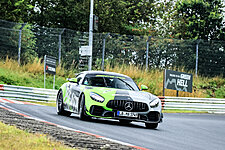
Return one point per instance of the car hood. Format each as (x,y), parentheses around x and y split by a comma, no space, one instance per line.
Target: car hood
(120,94)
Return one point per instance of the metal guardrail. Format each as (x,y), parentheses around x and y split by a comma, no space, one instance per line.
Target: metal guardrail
(27,93)
(169,103)
(195,104)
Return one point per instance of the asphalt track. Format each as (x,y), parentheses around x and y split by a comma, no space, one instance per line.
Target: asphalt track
(177,132)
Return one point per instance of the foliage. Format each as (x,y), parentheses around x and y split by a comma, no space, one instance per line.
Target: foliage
(164,12)
(198,19)
(116,16)
(12,74)
(154,80)
(214,87)
(198,22)
(28,43)
(61,14)
(31,75)
(127,49)
(163,53)
(15,10)
(186,19)
(10,38)
(125,17)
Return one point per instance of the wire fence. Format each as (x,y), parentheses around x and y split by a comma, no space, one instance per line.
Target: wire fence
(25,42)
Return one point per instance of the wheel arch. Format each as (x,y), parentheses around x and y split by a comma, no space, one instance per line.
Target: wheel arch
(63,89)
(82,93)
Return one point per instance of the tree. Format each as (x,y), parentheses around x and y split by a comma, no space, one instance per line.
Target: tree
(201,19)
(62,14)
(163,12)
(198,19)
(125,17)
(115,16)
(15,10)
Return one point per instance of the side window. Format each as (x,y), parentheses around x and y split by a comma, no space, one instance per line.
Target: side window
(86,81)
(80,78)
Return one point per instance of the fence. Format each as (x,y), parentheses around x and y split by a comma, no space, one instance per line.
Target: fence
(27,93)
(26,41)
(178,103)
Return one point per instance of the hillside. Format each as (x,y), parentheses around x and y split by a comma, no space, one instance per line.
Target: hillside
(31,75)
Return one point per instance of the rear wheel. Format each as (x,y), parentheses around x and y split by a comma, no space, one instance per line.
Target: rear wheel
(151,125)
(59,105)
(82,114)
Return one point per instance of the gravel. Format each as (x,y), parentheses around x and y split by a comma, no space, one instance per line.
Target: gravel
(68,137)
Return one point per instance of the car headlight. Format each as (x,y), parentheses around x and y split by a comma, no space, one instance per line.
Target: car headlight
(96,97)
(154,103)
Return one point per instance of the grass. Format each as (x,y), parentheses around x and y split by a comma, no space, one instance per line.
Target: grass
(52,104)
(32,75)
(15,139)
(182,111)
(202,86)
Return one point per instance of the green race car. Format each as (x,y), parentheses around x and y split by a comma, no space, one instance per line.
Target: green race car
(108,95)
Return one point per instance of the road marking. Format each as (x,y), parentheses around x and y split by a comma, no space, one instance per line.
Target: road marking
(7,101)
(4,100)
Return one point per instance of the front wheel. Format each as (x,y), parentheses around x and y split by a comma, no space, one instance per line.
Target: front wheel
(82,114)
(151,125)
(59,105)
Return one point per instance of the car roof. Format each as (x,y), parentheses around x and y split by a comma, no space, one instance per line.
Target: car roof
(104,73)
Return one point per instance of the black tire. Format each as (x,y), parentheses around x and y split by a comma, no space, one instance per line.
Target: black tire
(151,125)
(125,121)
(82,114)
(59,105)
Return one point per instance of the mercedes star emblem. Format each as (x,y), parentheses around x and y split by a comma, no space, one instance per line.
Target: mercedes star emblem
(128,106)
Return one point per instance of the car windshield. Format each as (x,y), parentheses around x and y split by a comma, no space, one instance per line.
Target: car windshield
(111,82)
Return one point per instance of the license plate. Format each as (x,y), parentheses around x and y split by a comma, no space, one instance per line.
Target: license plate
(127,114)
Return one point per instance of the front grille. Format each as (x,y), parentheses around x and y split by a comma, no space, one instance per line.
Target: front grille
(120,105)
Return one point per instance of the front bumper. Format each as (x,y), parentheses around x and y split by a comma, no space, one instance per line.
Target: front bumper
(149,117)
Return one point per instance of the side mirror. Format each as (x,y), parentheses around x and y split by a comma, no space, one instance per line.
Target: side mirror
(144,87)
(74,80)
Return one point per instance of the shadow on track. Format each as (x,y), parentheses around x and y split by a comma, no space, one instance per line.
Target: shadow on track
(113,122)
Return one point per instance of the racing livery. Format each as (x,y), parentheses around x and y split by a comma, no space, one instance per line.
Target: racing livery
(108,95)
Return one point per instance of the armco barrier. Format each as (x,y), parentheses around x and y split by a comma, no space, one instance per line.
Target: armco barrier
(196,104)
(179,103)
(27,93)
